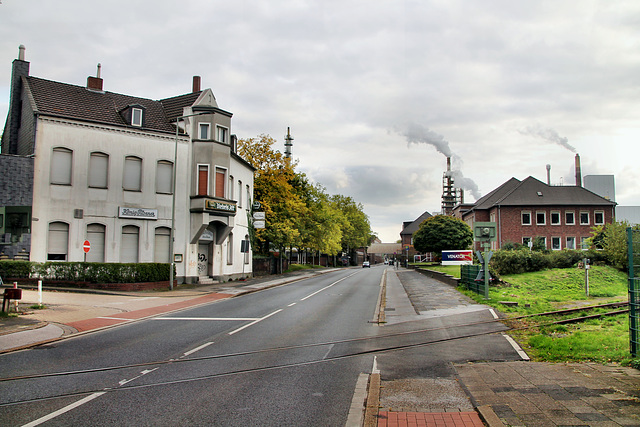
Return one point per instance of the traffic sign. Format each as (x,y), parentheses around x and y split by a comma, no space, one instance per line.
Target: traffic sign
(86,246)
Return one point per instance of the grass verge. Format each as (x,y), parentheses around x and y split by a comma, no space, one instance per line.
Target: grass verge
(602,340)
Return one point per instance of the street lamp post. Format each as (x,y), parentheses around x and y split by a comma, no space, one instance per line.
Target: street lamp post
(173,199)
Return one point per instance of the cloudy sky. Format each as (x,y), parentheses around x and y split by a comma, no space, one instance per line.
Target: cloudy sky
(376,93)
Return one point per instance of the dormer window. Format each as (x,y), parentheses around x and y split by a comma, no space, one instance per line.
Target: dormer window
(136,117)
(204,131)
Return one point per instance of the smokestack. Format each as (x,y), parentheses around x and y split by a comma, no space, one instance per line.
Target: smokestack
(95,83)
(196,84)
(548,174)
(578,172)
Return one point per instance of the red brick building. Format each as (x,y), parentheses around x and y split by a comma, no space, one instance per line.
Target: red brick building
(524,210)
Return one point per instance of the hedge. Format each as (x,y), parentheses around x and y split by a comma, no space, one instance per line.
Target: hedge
(91,272)
(523,260)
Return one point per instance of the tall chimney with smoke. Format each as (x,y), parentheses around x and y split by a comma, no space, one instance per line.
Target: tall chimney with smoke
(578,172)
(449,193)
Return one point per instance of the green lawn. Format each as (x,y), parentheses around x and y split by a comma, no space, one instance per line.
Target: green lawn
(604,340)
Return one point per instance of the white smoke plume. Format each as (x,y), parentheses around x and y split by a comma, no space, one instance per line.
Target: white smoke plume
(417,134)
(548,134)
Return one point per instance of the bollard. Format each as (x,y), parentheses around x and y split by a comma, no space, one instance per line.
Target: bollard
(15,286)
(40,292)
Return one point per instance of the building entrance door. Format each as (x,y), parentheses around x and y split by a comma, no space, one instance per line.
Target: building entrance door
(203,259)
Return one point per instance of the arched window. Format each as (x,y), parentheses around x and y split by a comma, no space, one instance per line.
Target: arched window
(98,170)
(129,248)
(162,248)
(58,242)
(61,163)
(132,179)
(95,236)
(164,177)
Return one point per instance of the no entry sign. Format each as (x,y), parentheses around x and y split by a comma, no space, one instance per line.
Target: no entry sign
(86,246)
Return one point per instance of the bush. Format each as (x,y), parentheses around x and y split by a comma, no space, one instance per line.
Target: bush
(86,271)
(523,260)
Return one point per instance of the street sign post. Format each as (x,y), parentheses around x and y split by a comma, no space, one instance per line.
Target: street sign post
(86,246)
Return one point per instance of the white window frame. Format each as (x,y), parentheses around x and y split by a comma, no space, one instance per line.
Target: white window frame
(588,218)
(240,194)
(559,214)
(208,167)
(526,240)
(161,178)
(544,217)
(61,165)
(126,173)
(225,133)
(595,218)
(92,177)
(573,215)
(248,200)
(583,243)
(554,240)
(230,249)
(522,214)
(570,242)
(201,127)
(136,113)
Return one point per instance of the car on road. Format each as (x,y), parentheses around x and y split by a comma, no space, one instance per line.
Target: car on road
(366,264)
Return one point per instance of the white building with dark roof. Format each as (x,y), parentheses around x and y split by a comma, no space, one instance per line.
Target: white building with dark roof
(103,171)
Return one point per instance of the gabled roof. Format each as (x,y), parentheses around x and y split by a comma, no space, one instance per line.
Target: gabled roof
(413,227)
(532,192)
(77,102)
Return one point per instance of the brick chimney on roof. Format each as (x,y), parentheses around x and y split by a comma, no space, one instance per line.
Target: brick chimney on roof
(95,83)
(196,84)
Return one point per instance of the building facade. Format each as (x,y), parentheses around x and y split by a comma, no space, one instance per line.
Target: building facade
(563,216)
(104,166)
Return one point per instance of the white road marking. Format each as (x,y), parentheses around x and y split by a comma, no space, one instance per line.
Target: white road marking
(198,348)
(207,318)
(328,351)
(63,410)
(145,372)
(374,368)
(327,287)
(516,347)
(292,304)
(493,313)
(254,322)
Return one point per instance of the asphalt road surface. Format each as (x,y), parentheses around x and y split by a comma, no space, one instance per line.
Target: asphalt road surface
(285,356)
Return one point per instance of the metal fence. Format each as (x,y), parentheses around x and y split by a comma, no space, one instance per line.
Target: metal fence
(468,274)
(633,246)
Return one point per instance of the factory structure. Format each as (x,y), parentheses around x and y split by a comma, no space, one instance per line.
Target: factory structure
(561,216)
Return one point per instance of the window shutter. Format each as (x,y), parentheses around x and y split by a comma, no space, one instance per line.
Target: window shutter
(98,170)
(132,174)
(61,160)
(58,241)
(95,235)
(203,180)
(164,177)
(220,178)
(129,249)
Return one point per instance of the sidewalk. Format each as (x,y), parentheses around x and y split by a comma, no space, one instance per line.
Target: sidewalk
(519,393)
(71,312)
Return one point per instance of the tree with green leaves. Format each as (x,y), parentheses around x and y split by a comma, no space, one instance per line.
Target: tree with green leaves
(442,232)
(613,241)
(272,187)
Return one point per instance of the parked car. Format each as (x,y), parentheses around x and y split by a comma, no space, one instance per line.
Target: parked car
(366,264)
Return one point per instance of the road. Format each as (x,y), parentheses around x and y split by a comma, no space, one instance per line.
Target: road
(289,355)
(213,368)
